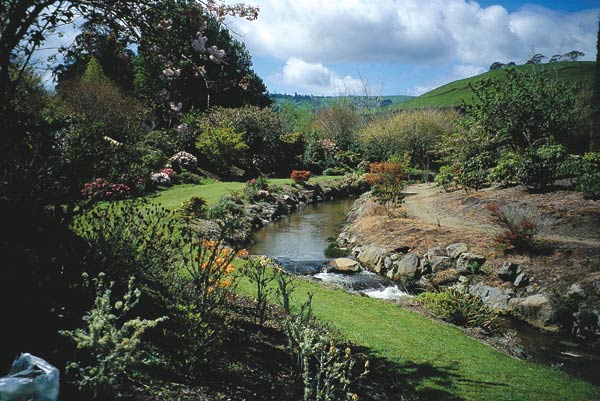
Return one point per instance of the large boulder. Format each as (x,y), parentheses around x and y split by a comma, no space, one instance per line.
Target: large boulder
(445,277)
(439,263)
(406,267)
(455,250)
(536,310)
(467,261)
(345,265)
(495,298)
(373,257)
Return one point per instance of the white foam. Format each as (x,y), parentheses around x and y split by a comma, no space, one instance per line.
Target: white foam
(389,293)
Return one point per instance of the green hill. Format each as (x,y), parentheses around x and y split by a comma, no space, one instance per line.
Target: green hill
(453,93)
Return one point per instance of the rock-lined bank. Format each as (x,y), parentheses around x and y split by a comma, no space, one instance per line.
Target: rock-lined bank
(505,285)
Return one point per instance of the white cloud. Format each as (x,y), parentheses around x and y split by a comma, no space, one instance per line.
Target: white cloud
(412,31)
(317,79)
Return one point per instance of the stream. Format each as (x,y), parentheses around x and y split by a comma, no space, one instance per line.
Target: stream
(297,242)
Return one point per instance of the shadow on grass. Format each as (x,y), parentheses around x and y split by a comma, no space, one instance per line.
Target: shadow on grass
(389,381)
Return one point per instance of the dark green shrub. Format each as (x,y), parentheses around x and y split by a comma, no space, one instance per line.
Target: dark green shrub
(187,177)
(336,170)
(445,177)
(459,308)
(333,250)
(193,208)
(473,173)
(589,184)
(508,169)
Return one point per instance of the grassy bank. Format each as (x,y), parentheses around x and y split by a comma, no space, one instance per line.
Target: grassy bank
(212,191)
(437,361)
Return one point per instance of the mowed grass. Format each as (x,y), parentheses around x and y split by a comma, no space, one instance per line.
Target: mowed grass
(437,360)
(454,93)
(212,191)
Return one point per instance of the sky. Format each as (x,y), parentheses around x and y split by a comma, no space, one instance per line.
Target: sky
(405,47)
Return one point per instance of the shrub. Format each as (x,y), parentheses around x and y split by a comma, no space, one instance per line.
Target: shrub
(161,179)
(333,250)
(100,189)
(589,184)
(519,224)
(193,208)
(445,177)
(256,270)
(473,172)
(508,169)
(110,342)
(183,161)
(186,177)
(220,146)
(387,182)
(459,308)
(300,176)
(540,168)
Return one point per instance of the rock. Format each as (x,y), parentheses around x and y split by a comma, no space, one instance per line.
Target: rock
(495,298)
(437,251)
(508,271)
(439,263)
(406,267)
(425,266)
(387,262)
(445,277)
(345,265)
(536,309)
(373,257)
(455,250)
(576,291)
(465,262)
(521,280)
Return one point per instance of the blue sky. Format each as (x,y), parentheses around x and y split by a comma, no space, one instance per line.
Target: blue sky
(333,47)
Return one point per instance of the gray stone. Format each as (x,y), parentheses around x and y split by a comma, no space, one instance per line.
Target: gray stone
(425,266)
(439,263)
(536,309)
(576,291)
(437,251)
(455,250)
(508,271)
(372,257)
(521,280)
(465,262)
(406,267)
(345,265)
(495,298)
(387,262)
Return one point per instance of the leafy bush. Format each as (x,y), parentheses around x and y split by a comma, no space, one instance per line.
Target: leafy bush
(193,208)
(220,146)
(589,184)
(336,171)
(333,250)
(186,177)
(387,182)
(100,189)
(459,308)
(473,173)
(445,177)
(508,169)
(540,168)
(257,272)
(161,179)
(300,176)
(111,343)
(519,224)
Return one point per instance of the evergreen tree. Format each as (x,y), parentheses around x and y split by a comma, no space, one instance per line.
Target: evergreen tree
(94,71)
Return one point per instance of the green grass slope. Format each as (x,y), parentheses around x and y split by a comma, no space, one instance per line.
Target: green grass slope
(454,93)
(437,361)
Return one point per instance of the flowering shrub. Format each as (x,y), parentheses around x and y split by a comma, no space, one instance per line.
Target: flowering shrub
(387,181)
(183,161)
(169,171)
(300,176)
(256,187)
(112,343)
(161,178)
(101,189)
(519,225)
(195,207)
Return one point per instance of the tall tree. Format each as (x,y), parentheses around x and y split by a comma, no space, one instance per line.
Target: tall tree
(595,132)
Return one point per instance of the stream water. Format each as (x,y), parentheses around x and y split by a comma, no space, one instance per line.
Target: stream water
(298,241)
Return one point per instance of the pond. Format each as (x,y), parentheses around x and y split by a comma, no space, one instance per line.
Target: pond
(298,242)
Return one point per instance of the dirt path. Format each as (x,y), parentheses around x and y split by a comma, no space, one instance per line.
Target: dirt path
(423,203)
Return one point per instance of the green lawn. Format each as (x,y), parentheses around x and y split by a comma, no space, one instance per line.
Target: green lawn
(212,191)
(438,360)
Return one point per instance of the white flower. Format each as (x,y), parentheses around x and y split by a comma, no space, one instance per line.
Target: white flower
(171,73)
(160,178)
(216,55)
(199,44)
(181,128)
(112,141)
(175,107)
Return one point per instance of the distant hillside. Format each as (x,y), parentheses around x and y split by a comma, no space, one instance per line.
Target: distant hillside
(453,94)
(317,102)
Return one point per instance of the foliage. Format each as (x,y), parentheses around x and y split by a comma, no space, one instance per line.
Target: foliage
(220,146)
(111,344)
(185,177)
(387,182)
(459,308)
(508,169)
(416,132)
(333,250)
(193,208)
(286,285)
(589,184)
(540,168)
(473,173)
(595,102)
(445,177)
(338,123)
(100,189)
(327,370)
(257,272)
(300,176)
(519,225)
(161,178)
